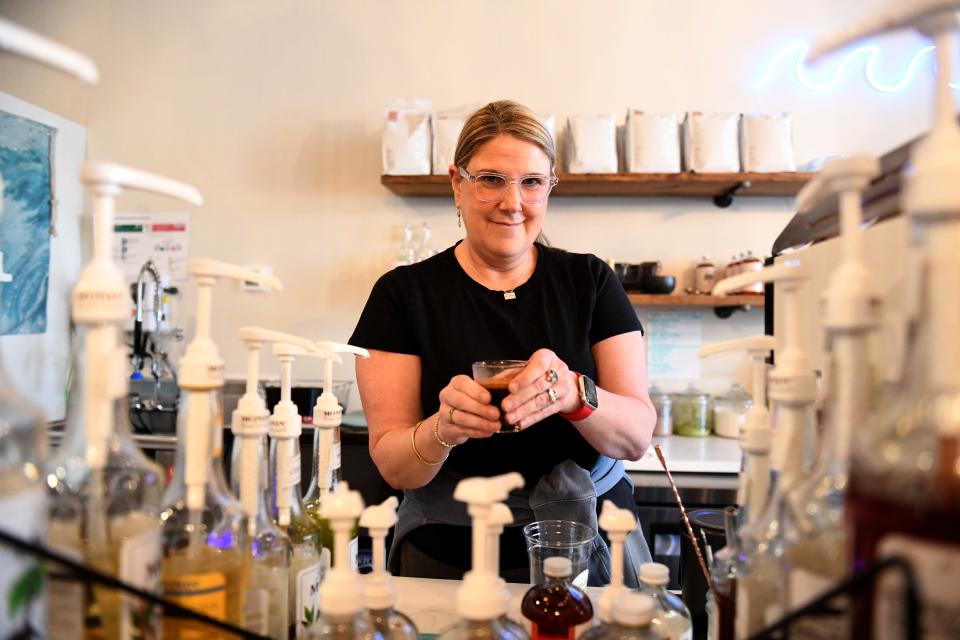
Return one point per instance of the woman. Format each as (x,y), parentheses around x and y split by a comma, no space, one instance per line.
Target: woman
(498,294)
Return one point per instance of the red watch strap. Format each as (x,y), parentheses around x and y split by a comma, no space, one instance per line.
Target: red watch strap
(583,412)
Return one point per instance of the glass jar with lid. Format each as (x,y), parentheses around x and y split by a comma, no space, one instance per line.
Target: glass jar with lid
(691,413)
(730,411)
(662,404)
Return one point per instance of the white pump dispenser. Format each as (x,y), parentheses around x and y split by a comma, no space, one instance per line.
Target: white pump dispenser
(380,593)
(251,419)
(99,466)
(201,369)
(341,594)
(755,436)
(618,523)
(480,598)
(815,544)
(791,384)
(286,423)
(500,516)
(16,39)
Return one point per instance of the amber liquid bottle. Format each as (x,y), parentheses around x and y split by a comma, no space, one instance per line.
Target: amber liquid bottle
(556,607)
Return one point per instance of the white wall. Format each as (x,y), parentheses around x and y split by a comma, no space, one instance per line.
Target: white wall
(273,110)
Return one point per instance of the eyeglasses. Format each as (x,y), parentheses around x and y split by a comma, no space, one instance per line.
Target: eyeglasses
(491,187)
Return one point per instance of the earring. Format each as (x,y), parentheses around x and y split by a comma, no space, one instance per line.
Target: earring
(459,219)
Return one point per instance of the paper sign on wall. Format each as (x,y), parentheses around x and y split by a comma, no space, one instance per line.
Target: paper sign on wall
(673,340)
(161,237)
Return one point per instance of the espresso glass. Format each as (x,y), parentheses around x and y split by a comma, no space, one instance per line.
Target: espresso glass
(495,377)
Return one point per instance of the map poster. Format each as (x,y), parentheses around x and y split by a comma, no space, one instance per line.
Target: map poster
(26,148)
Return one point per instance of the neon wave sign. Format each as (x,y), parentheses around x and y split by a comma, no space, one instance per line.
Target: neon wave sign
(796,53)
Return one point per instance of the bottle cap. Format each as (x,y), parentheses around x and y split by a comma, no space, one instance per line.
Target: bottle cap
(557,567)
(633,609)
(654,573)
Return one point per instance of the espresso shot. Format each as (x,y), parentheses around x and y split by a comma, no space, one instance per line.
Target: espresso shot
(495,377)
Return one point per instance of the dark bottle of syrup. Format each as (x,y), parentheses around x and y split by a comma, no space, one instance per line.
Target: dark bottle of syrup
(556,607)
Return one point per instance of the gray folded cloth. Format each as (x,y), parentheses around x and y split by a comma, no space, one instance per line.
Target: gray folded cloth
(568,493)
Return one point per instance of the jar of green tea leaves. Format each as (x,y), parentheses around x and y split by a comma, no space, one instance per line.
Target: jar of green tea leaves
(691,413)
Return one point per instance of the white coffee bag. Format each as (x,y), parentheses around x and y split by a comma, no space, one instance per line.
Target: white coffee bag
(405,145)
(652,142)
(592,144)
(766,142)
(446,126)
(711,142)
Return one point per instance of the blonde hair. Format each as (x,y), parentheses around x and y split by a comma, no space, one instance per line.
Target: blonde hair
(503,117)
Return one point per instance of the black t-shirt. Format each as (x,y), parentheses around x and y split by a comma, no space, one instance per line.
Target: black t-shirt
(435,311)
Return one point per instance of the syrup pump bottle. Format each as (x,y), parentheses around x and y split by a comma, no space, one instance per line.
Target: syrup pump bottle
(380,593)
(480,602)
(105,494)
(792,390)
(204,564)
(816,544)
(341,594)
(618,523)
(23,504)
(755,572)
(327,418)
(721,609)
(632,620)
(904,491)
(311,559)
(268,548)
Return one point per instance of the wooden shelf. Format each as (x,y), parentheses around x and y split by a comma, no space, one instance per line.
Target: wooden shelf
(688,300)
(701,185)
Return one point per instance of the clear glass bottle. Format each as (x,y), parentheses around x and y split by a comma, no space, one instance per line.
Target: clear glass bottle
(345,627)
(662,403)
(204,566)
(425,250)
(23,511)
(309,560)
(723,577)
(268,552)
(632,620)
(671,618)
(556,607)
(406,254)
(104,498)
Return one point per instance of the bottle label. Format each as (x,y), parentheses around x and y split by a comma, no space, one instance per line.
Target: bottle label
(65,594)
(205,593)
(255,609)
(936,567)
(292,478)
(140,562)
(335,455)
(308,594)
(21,580)
(353,551)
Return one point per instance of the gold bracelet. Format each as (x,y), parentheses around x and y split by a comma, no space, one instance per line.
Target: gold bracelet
(413,444)
(436,434)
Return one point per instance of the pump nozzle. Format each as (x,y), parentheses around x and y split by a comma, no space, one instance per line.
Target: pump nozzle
(380,592)
(618,523)
(479,597)
(341,593)
(16,39)
(327,413)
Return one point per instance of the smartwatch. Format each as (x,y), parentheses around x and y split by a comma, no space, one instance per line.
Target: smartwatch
(588,399)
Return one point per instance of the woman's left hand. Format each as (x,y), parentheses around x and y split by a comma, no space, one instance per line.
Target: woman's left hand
(544,387)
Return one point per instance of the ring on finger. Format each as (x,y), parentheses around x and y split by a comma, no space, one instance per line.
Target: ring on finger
(552,394)
(450,416)
(551,376)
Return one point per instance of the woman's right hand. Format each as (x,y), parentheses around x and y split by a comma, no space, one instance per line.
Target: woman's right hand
(466,412)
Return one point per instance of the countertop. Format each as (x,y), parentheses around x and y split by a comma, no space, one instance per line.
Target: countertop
(691,455)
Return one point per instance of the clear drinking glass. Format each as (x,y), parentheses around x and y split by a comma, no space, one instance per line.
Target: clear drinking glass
(495,376)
